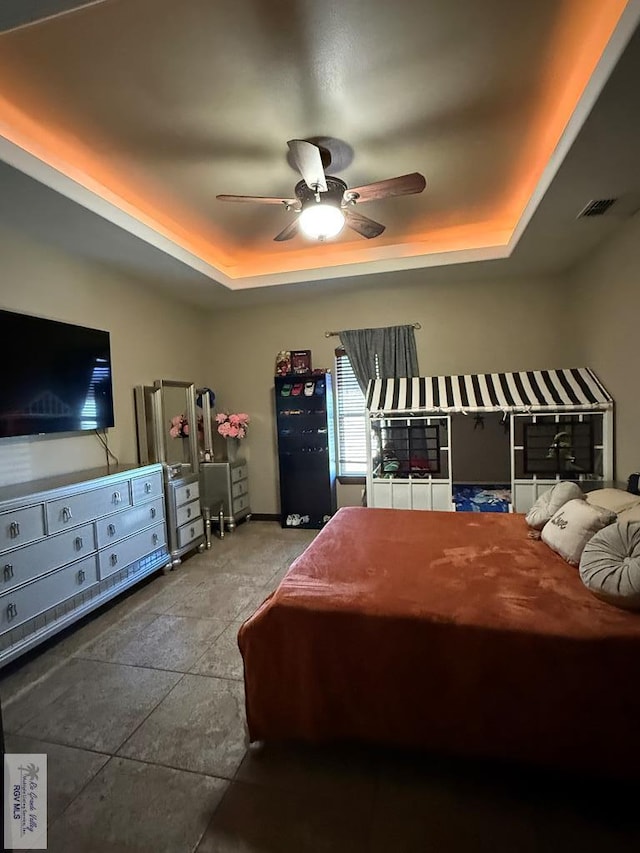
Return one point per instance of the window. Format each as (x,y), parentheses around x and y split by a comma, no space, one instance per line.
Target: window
(559,447)
(352,423)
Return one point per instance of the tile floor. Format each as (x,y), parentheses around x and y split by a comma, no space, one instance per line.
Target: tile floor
(140,710)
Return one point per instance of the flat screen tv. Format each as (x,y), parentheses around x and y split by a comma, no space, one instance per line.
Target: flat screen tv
(55,378)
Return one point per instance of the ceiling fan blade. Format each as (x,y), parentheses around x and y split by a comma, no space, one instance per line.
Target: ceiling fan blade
(308,162)
(287,233)
(260,199)
(362,224)
(402,185)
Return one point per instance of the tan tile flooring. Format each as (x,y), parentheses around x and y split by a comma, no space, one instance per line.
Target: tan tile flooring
(140,710)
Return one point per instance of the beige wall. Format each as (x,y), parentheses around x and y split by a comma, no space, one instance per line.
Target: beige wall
(586,318)
(151,337)
(466,328)
(605,299)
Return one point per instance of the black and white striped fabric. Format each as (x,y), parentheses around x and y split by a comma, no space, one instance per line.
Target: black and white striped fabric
(528,391)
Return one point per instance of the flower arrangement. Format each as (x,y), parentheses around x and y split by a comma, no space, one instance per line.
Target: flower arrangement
(232,426)
(180,426)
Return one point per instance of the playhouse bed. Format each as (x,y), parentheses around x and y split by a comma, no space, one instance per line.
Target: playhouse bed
(448,631)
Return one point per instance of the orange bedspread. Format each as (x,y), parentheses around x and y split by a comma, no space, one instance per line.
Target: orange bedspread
(450,631)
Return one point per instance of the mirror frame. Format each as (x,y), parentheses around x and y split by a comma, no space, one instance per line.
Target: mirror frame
(165,417)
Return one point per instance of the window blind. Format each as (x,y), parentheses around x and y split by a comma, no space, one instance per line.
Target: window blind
(352,424)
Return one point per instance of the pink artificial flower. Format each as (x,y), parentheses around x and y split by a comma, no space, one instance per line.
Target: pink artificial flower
(179,426)
(232,426)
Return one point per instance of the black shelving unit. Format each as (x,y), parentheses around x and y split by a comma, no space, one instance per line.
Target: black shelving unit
(306,449)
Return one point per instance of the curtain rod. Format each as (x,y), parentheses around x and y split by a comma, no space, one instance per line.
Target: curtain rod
(334,334)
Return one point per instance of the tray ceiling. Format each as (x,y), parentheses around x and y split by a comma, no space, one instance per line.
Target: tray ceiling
(144,110)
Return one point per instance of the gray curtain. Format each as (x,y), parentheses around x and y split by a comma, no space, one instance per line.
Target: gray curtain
(395,347)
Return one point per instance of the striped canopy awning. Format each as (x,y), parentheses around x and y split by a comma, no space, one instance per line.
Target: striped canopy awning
(527,391)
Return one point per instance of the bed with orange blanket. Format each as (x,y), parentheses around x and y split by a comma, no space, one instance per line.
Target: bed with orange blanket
(447,631)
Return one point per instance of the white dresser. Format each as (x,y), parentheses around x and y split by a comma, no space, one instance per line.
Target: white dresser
(70,543)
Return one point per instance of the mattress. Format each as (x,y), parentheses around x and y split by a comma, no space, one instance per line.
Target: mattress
(452,632)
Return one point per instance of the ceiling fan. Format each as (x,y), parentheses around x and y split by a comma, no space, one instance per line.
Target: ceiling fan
(324,204)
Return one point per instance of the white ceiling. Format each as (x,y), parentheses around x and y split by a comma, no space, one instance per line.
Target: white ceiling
(600,162)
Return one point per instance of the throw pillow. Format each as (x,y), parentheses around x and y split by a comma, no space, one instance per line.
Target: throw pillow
(572,527)
(631,514)
(610,565)
(550,502)
(617,500)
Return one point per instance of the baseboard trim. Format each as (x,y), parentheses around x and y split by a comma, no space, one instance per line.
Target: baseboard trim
(265,516)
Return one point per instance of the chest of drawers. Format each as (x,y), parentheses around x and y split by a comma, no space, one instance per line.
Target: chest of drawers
(184,516)
(224,487)
(68,544)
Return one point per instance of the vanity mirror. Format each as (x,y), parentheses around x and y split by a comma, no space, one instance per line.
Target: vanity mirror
(178,423)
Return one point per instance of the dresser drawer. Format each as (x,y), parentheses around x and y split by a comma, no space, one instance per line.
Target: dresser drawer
(188,512)
(240,504)
(129,550)
(146,488)
(239,473)
(241,487)
(27,563)
(186,493)
(76,509)
(20,526)
(190,532)
(33,598)
(114,527)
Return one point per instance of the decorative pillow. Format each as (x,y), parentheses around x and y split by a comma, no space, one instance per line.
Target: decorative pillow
(631,514)
(572,527)
(616,500)
(610,565)
(550,502)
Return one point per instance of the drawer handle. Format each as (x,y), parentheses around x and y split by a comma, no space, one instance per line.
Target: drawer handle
(193,532)
(188,512)
(78,543)
(111,530)
(154,538)
(81,576)
(67,515)
(153,512)
(8,572)
(12,611)
(14,529)
(113,559)
(188,493)
(117,498)
(147,487)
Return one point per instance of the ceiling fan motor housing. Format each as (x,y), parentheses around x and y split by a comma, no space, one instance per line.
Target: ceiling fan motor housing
(334,194)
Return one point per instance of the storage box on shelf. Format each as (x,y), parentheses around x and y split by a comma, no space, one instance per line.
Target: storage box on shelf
(68,544)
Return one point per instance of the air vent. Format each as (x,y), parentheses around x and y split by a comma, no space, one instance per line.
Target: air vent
(596,208)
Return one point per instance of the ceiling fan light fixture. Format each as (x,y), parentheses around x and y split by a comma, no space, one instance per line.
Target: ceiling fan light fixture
(320,221)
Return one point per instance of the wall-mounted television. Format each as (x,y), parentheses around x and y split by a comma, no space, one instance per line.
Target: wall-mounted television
(55,377)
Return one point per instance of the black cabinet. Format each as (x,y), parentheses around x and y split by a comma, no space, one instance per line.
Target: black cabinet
(306,449)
